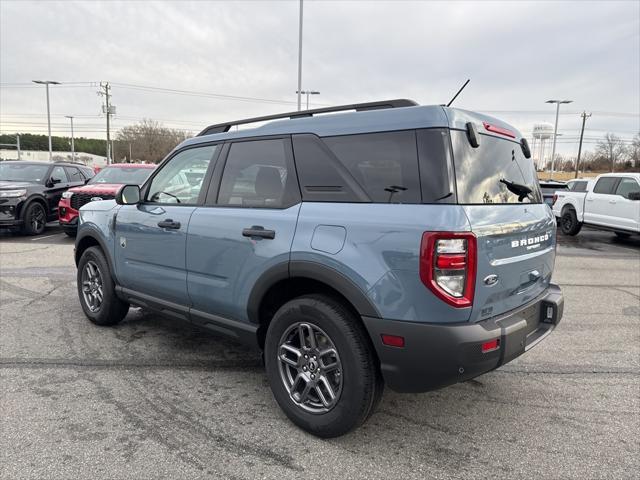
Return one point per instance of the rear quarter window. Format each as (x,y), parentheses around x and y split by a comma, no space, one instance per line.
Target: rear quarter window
(384,164)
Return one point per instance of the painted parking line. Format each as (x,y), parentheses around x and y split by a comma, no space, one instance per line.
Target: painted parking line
(46,236)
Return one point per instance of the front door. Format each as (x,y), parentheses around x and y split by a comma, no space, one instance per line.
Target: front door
(56,185)
(151,236)
(600,201)
(245,229)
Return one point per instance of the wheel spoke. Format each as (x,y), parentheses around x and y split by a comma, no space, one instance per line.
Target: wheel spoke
(86,287)
(305,392)
(307,336)
(288,361)
(328,387)
(291,349)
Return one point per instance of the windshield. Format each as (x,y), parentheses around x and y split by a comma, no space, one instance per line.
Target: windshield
(123,175)
(495,172)
(23,172)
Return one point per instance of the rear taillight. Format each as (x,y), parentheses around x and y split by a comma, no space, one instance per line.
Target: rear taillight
(553,200)
(448,266)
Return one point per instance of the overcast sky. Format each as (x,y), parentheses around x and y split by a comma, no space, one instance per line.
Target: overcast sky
(517,54)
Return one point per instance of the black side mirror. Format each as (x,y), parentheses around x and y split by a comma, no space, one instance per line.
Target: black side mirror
(634,196)
(128,195)
(55,180)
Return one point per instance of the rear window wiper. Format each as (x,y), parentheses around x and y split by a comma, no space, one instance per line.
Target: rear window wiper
(517,188)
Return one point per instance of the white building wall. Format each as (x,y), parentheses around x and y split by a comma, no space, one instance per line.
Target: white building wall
(43,156)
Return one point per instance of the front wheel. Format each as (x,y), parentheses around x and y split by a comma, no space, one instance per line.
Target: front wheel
(321,366)
(622,234)
(96,289)
(569,224)
(35,219)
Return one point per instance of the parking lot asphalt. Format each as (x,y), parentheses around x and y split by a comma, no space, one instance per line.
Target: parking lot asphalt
(152,398)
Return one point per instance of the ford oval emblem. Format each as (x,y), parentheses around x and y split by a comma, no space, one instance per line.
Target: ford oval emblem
(491,279)
(96,199)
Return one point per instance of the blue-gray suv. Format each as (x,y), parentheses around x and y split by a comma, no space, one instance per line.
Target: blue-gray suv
(360,245)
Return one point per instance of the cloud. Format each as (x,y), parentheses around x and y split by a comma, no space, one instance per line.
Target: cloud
(518,54)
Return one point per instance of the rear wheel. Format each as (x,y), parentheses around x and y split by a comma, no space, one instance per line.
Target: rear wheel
(35,219)
(321,366)
(96,289)
(569,223)
(622,234)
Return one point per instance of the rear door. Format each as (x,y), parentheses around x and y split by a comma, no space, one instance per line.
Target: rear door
(151,237)
(600,202)
(626,212)
(246,227)
(515,233)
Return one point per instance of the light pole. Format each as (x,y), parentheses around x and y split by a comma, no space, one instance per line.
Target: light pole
(307,93)
(73,147)
(300,58)
(47,83)
(555,131)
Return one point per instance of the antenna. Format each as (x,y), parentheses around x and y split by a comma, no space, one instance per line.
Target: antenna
(456,95)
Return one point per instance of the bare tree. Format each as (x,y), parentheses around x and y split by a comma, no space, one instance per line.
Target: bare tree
(148,140)
(634,152)
(612,148)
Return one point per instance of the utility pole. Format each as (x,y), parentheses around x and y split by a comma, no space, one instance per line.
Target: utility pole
(73,146)
(108,109)
(584,119)
(555,131)
(307,93)
(300,58)
(46,83)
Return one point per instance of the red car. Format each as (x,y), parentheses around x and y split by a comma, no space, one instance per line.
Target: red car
(103,186)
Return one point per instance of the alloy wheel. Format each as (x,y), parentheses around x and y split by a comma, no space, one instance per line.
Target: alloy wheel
(37,219)
(92,286)
(310,367)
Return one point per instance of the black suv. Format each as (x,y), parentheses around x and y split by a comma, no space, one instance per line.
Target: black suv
(30,191)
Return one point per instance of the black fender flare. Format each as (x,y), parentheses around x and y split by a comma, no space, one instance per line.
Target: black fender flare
(34,198)
(313,271)
(94,234)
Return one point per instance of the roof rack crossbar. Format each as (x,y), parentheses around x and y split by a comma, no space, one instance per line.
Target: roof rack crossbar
(358,107)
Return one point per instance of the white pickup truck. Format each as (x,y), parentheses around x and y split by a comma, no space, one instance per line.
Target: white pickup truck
(610,202)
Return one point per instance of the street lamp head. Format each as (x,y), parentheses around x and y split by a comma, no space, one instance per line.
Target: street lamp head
(559,101)
(314,92)
(566,101)
(46,82)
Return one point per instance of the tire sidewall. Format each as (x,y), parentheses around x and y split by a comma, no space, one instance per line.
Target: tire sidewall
(353,395)
(101,317)
(31,208)
(568,215)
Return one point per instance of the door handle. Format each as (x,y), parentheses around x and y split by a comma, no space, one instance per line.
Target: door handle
(168,223)
(259,231)
(589,199)
(612,201)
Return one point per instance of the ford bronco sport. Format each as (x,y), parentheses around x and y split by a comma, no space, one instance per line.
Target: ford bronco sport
(386,243)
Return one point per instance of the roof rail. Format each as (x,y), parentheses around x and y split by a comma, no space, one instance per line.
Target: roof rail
(358,107)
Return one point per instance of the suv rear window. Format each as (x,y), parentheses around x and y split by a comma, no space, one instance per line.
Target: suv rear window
(479,171)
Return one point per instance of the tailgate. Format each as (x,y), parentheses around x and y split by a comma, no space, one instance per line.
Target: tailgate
(516,255)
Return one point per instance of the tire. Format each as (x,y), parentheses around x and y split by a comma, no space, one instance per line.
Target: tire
(352,373)
(623,234)
(70,233)
(94,279)
(569,224)
(35,219)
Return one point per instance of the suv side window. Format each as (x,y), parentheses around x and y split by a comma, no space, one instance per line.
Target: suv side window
(179,181)
(74,175)
(258,174)
(384,164)
(58,174)
(627,186)
(605,185)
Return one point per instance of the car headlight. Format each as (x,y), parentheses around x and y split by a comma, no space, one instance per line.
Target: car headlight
(20,192)
(67,194)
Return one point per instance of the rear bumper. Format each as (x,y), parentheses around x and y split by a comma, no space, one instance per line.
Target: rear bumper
(437,355)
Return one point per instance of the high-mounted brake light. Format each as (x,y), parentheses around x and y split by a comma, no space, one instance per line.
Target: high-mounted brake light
(499,130)
(448,266)
(554,199)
